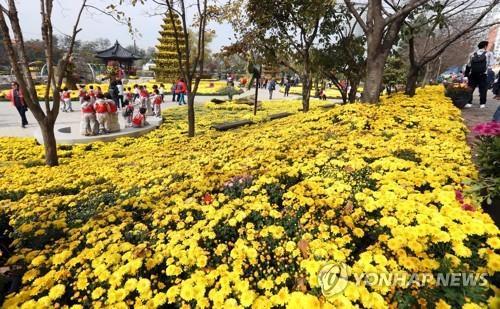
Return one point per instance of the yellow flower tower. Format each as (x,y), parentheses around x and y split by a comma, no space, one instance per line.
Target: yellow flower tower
(167,65)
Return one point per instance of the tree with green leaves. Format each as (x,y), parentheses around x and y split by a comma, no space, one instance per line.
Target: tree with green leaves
(283,33)
(341,56)
(395,70)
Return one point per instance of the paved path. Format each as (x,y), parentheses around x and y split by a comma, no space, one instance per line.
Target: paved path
(10,122)
(476,115)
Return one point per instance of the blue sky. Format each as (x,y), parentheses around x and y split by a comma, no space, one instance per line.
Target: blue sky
(95,25)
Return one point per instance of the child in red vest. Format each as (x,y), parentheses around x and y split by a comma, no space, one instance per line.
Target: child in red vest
(157,100)
(143,95)
(101,108)
(81,93)
(139,119)
(66,100)
(145,102)
(128,113)
(92,94)
(88,124)
(128,95)
(113,123)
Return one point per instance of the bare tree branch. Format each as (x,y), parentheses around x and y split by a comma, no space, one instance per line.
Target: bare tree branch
(405,10)
(354,11)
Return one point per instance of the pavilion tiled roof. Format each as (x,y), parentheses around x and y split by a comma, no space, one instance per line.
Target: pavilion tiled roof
(117,52)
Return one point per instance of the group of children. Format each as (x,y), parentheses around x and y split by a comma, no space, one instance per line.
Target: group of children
(141,97)
(100,111)
(100,116)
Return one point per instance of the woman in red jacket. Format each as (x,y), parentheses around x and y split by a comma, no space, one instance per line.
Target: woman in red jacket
(181,90)
(16,97)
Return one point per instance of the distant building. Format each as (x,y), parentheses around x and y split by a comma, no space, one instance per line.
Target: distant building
(149,66)
(117,53)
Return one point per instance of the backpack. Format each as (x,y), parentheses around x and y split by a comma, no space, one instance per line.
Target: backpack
(478,64)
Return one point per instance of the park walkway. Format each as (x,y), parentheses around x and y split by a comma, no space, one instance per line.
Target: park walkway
(10,123)
(475,115)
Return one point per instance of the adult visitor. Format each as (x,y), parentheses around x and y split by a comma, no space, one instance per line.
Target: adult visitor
(230,90)
(322,94)
(121,92)
(288,84)
(113,91)
(181,90)
(271,87)
(479,63)
(15,95)
(172,89)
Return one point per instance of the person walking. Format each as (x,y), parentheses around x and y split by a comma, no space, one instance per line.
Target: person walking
(288,84)
(271,87)
(121,93)
(181,91)
(479,63)
(15,95)
(230,90)
(172,89)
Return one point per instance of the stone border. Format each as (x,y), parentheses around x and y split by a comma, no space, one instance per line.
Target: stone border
(70,135)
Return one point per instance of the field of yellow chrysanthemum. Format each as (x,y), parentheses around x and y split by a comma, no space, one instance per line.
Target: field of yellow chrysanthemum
(248,217)
(206,87)
(330,92)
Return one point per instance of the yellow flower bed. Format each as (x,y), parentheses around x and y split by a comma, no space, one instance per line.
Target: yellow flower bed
(248,217)
(330,92)
(219,88)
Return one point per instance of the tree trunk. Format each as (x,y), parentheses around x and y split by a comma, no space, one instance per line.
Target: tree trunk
(306,91)
(191,129)
(425,81)
(49,142)
(353,91)
(374,74)
(344,96)
(440,62)
(411,80)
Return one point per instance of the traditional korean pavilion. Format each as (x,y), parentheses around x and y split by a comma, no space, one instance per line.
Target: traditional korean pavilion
(118,53)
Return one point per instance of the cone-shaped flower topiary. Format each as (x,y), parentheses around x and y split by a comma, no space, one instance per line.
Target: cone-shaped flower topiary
(166,59)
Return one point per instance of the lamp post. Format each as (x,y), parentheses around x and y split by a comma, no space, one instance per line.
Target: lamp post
(256,76)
